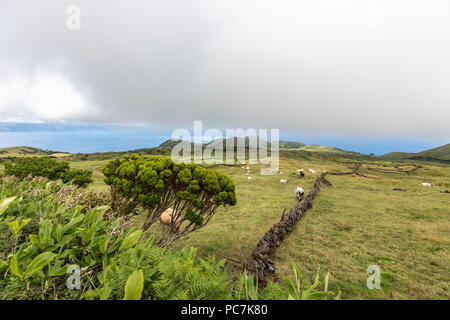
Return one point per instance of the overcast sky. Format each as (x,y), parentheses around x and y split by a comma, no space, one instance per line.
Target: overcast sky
(362,68)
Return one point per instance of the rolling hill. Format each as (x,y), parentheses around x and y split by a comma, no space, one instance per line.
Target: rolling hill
(439,154)
(24,151)
(396,155)
(317,148)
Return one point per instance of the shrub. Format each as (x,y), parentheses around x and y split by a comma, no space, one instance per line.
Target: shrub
(78,177)
(156,184)
(49,168)
(38,167)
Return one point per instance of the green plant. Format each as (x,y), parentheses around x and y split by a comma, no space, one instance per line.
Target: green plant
(134,285)
(64,238)
(5,203)
(78,177)
(183,277)
(47,167)
(293,289)
(166,275)
(157,184)
(36,252)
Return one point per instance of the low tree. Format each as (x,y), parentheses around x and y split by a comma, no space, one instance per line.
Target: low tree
(157,184)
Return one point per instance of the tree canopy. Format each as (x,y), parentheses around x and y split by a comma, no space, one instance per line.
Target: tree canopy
(157,183)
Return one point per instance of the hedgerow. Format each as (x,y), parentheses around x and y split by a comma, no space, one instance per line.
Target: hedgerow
(49,168)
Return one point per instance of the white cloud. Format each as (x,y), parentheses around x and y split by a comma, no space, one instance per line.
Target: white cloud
(46,97)
(360,67)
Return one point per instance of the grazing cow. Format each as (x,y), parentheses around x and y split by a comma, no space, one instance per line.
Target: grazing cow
(166,219)
(312,170)
(299,192)
(283,181)
(281,172)
(301,172)
(426,184)
(249,178)
(248,171)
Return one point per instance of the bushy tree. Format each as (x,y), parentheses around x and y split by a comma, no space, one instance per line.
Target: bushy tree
(49,168)
(157,184)
(38,167)
(78,177)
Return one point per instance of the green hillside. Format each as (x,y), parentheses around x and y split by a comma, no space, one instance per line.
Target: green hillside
(439,154)
(396,155)
(317,148)
(291,144)
(23,151)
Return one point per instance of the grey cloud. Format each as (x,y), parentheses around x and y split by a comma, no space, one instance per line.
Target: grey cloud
(374,68)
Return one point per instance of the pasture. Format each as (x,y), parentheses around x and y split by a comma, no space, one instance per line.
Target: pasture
(353,224)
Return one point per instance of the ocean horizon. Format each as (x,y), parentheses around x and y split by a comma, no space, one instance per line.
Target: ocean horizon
(97,137)
(79,138)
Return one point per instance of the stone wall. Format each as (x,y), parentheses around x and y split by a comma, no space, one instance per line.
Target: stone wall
(262,264)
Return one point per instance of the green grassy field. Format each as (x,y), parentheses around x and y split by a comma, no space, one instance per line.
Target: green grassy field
(353,224)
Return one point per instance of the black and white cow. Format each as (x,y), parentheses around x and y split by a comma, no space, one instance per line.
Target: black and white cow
(299,192)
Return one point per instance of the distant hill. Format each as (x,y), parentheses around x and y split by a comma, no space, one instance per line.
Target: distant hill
(290,144)
(396,155)
(284,146)
(317,148)
(439,154)
(24,151)
(436,153)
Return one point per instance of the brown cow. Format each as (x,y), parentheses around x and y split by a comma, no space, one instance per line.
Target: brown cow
(166,219)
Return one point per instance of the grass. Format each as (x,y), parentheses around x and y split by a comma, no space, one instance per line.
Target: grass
(353,224)
(22,152)
(96,166)
(360,222)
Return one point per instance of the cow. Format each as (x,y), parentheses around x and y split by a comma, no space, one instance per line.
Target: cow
(301,172)
(312,170)
(426,184)
(299,192)
(283,181)
(166,219)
